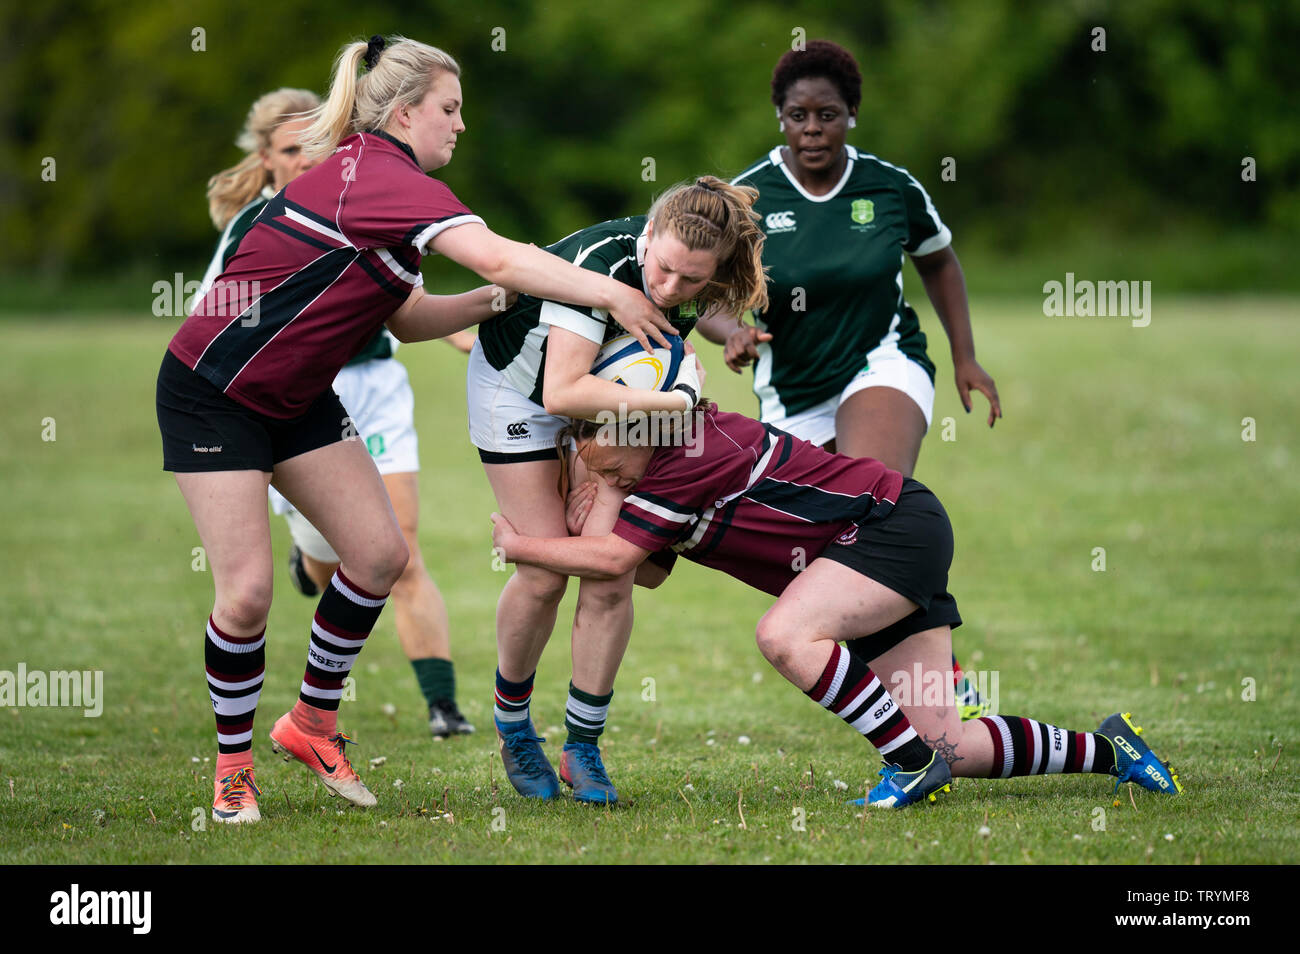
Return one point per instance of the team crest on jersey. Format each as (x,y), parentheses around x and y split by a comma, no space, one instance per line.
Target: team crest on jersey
(862,211)
(848,537)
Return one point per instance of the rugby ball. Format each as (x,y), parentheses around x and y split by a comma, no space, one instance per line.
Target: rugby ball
(623,361)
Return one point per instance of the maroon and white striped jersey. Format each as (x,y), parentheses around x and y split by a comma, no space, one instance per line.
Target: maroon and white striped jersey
(752,501)
(326,263)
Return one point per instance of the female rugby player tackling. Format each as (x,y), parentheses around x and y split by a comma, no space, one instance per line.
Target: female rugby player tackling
(748,498)
(244,395)
(374,389)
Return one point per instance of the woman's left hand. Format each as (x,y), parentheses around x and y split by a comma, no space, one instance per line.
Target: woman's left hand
(503,535)
(970,375)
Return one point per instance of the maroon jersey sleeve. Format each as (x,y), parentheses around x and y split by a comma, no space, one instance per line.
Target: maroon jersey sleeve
(682,482)
(390,203)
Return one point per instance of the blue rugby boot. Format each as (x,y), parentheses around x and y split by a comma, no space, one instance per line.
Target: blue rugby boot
(898,789)
(1134,760)
(526,764)
(583,771)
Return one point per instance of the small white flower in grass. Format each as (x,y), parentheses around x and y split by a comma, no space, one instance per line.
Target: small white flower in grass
(1169,836)
(841,785)
(194,758)
(711,732)
(378,760)
(757,677)
(689,787)
(338,813)
(397,783)
(710,741)
(206,759)
(1078,838)
(907,835)
(614,728)
(435,770)
(934,844)
(743,740)
(552,730)
(984,831)
(383,824)
(388,709)
(653,742)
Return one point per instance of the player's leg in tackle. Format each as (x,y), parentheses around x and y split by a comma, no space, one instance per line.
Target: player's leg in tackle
(1007,746)
(526,494)
(337,488)
(828,603)
(229,511)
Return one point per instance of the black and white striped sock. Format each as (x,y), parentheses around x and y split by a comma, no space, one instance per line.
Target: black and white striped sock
(235,667)
(584,715)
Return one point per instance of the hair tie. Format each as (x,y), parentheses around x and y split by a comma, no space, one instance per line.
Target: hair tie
(373,49)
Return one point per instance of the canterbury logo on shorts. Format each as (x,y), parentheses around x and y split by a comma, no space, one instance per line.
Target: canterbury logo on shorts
(517,430)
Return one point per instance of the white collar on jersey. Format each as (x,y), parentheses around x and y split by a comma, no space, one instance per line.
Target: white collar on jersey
(779,161)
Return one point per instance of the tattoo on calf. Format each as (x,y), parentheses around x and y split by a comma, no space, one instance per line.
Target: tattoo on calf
(946,749)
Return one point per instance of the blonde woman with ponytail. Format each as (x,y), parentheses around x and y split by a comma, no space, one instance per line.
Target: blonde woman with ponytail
(244,398)
(698,248)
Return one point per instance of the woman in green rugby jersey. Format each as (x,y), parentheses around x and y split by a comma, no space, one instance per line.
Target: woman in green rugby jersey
(841,359)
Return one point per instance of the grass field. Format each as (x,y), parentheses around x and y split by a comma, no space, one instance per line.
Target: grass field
(1115,437)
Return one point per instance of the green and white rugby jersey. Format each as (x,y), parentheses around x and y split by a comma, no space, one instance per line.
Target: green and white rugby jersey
(382,345)
(515,342)
(835,262)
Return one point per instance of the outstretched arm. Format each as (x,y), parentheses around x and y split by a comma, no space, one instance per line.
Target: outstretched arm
(537,272)
(424,317)
(598,558)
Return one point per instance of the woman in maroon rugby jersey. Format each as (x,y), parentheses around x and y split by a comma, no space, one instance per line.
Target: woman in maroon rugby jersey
(856,554)
(244,395)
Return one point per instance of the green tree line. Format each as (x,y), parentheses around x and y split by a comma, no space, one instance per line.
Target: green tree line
(1028,122)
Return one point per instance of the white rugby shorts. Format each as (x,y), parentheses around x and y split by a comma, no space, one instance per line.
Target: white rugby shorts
(887,367)
(502,421)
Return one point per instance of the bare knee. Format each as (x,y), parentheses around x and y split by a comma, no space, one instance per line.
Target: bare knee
(541,586)
(242,607)
(413,578)
(604,596)
(774,639)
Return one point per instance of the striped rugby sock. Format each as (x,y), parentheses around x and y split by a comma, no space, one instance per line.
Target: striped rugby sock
(1026,747)
(851,690)
(584,715)
(235,667)
(512,698)
(344,618)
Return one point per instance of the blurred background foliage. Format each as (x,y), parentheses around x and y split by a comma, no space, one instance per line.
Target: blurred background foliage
(1066,158)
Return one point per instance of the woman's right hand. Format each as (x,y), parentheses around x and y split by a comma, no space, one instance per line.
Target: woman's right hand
(742,347)
(641,319)
(578,506)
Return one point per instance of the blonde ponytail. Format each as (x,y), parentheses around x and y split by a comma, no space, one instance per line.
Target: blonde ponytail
(402,73)
(716,216)
(232,189)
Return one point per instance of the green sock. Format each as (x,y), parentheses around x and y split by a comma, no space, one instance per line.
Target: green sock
(584,715)
(437,678)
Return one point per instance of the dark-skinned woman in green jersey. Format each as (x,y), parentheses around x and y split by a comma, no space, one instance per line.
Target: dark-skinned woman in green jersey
(841,358)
